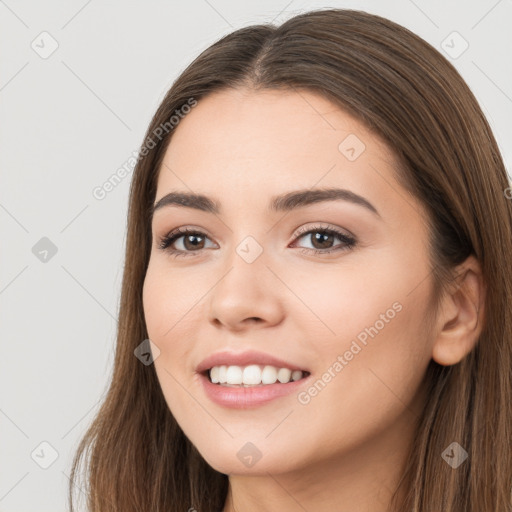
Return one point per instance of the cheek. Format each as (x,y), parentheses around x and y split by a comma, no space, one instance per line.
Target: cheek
(371,341)
(168,301)
(168,297)
(357,302)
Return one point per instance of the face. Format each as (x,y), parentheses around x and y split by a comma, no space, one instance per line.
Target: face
(338,286)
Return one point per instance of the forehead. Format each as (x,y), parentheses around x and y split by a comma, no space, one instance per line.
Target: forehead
(241,143)
(246,123)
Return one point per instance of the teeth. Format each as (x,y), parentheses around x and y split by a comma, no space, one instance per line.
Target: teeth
(269,375)
(252,375)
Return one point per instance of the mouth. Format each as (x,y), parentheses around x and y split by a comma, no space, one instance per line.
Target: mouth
(253,375)
(247,389)
(243,380)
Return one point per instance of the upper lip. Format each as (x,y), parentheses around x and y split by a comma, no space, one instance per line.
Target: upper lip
(244,359)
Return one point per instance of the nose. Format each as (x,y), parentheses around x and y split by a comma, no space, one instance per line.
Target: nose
(248,296)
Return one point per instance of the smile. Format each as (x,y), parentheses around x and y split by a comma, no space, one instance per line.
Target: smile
(253,375)
(239,395)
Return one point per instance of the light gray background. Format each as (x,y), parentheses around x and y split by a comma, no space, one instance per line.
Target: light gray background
(68,122)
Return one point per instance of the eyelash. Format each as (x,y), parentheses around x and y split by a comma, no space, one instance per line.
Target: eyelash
(166,241)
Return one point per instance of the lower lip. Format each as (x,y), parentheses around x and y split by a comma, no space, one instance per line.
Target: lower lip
(245,397)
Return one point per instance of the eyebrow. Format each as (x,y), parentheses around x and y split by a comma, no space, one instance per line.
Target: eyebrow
(282,203)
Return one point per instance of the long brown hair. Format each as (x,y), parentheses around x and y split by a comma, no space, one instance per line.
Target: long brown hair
(406,92)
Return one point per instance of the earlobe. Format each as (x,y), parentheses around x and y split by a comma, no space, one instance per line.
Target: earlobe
(461,316)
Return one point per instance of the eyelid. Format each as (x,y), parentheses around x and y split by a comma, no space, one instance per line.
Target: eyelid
(322,226)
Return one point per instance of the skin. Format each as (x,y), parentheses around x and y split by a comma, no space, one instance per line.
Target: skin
(345,448)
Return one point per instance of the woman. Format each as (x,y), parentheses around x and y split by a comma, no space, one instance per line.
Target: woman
(317,286)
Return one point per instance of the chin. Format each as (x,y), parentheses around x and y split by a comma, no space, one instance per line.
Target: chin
(247,458)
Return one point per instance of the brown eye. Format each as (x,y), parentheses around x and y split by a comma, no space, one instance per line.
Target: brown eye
(192,242)
(184,242)
(323,240)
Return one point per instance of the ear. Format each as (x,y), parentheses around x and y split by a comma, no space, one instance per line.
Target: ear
(461,315)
